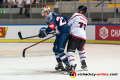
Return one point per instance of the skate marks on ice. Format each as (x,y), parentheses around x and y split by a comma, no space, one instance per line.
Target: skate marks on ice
(12,72)
(8,50)
(18,53)
(81,70)
(101,58)
(43,65)
(29,72)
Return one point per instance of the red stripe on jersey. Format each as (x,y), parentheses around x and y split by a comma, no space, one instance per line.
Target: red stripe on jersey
(78,15)
(52,26)
(78,37)
(58,30)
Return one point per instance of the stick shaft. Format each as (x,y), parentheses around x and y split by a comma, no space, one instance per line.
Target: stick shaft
(30,37)
(40,42)
(35,44)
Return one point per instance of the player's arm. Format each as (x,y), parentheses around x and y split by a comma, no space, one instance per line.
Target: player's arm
(66,18)
(51,27)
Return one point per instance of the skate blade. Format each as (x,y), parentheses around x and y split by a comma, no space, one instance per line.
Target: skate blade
(65,73)
(59,70)
(62,72)
(85,69)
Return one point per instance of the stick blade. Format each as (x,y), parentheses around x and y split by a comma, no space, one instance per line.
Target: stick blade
(19,34)
(24,53)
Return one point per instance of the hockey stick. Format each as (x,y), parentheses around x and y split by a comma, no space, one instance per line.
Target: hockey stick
(36,44)
(20,36)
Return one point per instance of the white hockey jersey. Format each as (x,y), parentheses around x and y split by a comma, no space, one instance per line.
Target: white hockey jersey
(78,24)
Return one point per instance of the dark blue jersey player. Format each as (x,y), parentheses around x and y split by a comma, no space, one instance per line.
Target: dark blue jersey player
(59,24)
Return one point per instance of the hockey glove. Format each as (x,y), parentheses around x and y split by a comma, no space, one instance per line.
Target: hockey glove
(43,34)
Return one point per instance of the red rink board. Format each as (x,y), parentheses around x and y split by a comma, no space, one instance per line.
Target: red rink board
(107,32)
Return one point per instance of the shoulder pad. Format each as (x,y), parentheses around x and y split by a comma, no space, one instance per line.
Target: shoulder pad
(75,14)
(49,18)
(54,14)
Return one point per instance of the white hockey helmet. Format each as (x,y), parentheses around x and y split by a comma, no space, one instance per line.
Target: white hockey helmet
(46,8)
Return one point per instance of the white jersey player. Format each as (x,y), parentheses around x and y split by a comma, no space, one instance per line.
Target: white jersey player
(77,39)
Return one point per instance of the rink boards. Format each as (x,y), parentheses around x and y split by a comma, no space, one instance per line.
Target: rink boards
(95,33)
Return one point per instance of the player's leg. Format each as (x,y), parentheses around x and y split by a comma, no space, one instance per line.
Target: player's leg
(72,45)
(59,66)
(61,43)
(82,54)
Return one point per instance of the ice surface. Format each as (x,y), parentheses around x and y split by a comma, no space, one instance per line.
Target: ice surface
(40,62)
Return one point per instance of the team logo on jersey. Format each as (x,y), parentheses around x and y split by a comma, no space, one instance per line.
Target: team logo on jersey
(72,74)
(3,31)
(103,32)
(48,19)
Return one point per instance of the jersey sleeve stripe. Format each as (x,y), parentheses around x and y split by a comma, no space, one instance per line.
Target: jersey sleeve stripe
(76,16)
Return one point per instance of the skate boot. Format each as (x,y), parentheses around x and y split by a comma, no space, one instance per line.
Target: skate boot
(72,69)
(59,67)
(66,69)
(84,66)
(69,69)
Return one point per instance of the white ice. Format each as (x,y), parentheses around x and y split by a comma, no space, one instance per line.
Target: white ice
(40,62)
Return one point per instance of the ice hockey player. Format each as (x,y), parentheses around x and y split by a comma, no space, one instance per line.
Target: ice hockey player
(77,39)
(59,24)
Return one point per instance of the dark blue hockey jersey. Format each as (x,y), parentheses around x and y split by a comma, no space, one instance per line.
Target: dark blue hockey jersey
(57,23)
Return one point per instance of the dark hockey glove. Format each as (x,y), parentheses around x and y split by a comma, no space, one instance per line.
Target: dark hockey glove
(43,34)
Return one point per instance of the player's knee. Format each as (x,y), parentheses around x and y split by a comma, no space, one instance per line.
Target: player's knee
(56,54)
(70,50)
(70,53)
(82,51)
(61,50)
(54,50)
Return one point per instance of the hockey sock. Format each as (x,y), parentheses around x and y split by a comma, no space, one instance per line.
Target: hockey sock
(64,58)
(57,58)
(82,55)
(71,58)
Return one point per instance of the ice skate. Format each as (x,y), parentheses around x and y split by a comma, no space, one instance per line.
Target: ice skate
(59,67)
(84,66)
(69,69)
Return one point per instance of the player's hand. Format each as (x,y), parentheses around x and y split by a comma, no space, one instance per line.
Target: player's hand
(43,34)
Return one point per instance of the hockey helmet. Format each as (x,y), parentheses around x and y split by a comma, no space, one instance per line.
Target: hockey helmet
(46,8)
(83,8)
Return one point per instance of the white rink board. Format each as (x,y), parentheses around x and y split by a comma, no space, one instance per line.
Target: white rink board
(31,30)
(90,32)
(26,30)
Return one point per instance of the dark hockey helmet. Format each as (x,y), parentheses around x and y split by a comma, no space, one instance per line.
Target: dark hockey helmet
(83,8)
